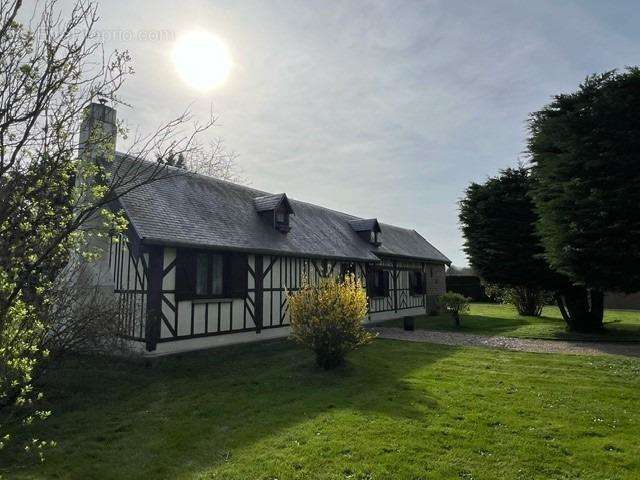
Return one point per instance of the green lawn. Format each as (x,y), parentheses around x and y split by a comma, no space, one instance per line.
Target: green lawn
(491,319)
(397,411)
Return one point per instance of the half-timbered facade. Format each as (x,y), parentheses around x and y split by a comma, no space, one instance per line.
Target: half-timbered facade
(207,262)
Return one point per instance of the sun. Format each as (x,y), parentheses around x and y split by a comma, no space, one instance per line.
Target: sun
(202,60)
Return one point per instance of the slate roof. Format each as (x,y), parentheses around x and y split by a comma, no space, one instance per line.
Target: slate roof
(365,224)
(194,210)
(270,202)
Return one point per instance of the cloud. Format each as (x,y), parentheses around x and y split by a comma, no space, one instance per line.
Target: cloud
(385,109)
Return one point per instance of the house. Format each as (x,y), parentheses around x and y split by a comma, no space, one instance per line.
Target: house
(206,262)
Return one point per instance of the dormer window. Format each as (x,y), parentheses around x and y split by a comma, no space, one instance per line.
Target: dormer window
(282,219)
(275,209)
(368,229)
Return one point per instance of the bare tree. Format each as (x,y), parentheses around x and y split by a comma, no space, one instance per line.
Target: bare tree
(80,318)
(215,160)
(212,160)
(52,200)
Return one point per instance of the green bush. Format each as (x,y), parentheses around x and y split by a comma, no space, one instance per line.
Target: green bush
(528,301)
(327,318)
(455,304)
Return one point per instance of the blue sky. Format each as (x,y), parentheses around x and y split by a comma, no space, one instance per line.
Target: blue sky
(380,109)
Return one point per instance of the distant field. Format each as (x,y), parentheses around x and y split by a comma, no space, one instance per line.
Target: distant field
(491,319)
(399,410)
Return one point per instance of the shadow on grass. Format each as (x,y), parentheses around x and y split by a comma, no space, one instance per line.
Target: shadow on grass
(181,414)
(471,323)
(512,325)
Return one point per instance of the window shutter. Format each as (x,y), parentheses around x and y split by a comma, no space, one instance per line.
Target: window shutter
(385,282)
(416,282)
(226,275)
(235,275)
(185,274)
(369,273)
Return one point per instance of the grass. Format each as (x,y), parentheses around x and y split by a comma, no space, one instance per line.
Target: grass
(396,411)
(492,319)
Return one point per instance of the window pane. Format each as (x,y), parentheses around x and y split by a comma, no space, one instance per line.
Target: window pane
(216,274)
(202,261)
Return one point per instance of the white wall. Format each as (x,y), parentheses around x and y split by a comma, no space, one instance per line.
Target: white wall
(177,346)
(217,322)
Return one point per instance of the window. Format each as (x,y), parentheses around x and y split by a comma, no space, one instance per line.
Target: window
(216,272)
(282,220)
(416,283)
(203,274)
(378,283)
(202,266)
(347,269)
(275,209)
(375,238)
(209,274)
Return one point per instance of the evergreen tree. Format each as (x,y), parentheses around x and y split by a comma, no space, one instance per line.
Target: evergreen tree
(585,151)
(498,222)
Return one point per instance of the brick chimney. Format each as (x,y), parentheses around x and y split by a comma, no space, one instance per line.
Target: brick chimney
(97,141)
(98,132)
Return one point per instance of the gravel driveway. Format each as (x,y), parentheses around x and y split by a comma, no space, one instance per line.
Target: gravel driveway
(521,344)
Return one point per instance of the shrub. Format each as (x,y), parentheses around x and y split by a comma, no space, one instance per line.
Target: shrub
(327,318)
(20,356)
(528,301)
(81,317)
(455,304)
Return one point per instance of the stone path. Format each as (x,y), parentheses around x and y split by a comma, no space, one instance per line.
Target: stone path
(521,344)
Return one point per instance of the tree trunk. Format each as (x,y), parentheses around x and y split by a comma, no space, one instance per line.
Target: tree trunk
(456,319)
(528,301)
(582,309)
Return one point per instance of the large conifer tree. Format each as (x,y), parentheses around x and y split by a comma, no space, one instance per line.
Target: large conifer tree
(585,151)
(498,223)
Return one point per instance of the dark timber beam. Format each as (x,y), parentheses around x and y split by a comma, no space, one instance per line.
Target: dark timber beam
(424,287)
(259,288)
(154,296)
(395,285)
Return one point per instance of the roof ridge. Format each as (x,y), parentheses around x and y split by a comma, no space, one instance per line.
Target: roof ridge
(399,228)
(196,174)
(432,246)
(280,195)
(353,217)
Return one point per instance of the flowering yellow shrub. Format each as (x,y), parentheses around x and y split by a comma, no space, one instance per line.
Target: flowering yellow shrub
(327,318)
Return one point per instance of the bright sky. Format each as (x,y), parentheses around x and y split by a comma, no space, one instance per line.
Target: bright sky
(379,109)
